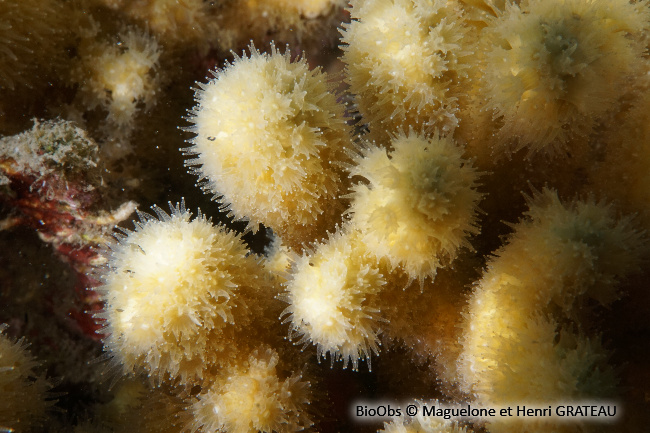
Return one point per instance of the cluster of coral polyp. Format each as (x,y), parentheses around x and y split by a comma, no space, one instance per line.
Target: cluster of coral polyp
(188,304)
(455,203)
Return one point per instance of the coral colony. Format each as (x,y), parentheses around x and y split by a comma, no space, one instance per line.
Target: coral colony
(387,215)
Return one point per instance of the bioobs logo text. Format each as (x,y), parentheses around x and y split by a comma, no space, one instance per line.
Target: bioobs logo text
(375,411)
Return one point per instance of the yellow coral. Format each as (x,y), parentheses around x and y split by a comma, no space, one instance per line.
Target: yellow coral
(278,259)
(420,204)
(553,68)
(481,12)
(431,66)
(405,60)
(623,174)
(558,256)
(333,299)
(119,77)
(556,259)
(173,295)
(253,397)
(563,251)
(280,20)
(23,403)
(173,21)
(268,134)
(536,364)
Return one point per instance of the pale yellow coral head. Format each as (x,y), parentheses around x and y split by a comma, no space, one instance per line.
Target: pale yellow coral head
(537,364)
(558,258)
(577,248)
(333,299)
(120,76)
(553,68)
(268,133)
(253,396)
(404,59)
(419,204)
(24,392)
(169,292)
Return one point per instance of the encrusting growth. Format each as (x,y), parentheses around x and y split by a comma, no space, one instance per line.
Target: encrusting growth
(55,147)
(268,137)
(419,204)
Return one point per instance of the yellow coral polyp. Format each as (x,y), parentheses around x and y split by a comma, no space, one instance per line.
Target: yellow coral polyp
(119,77)
(23,404)
(253,397)
(267,134)
(404,59)
(553,68)
(173,20)
(535,362)
(481,12)
(559,257)
(419,205)
(281,20)
(333,299)
(170,294)
(579,248)
(290,10)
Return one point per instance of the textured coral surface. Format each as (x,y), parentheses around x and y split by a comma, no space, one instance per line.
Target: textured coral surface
(441,203)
